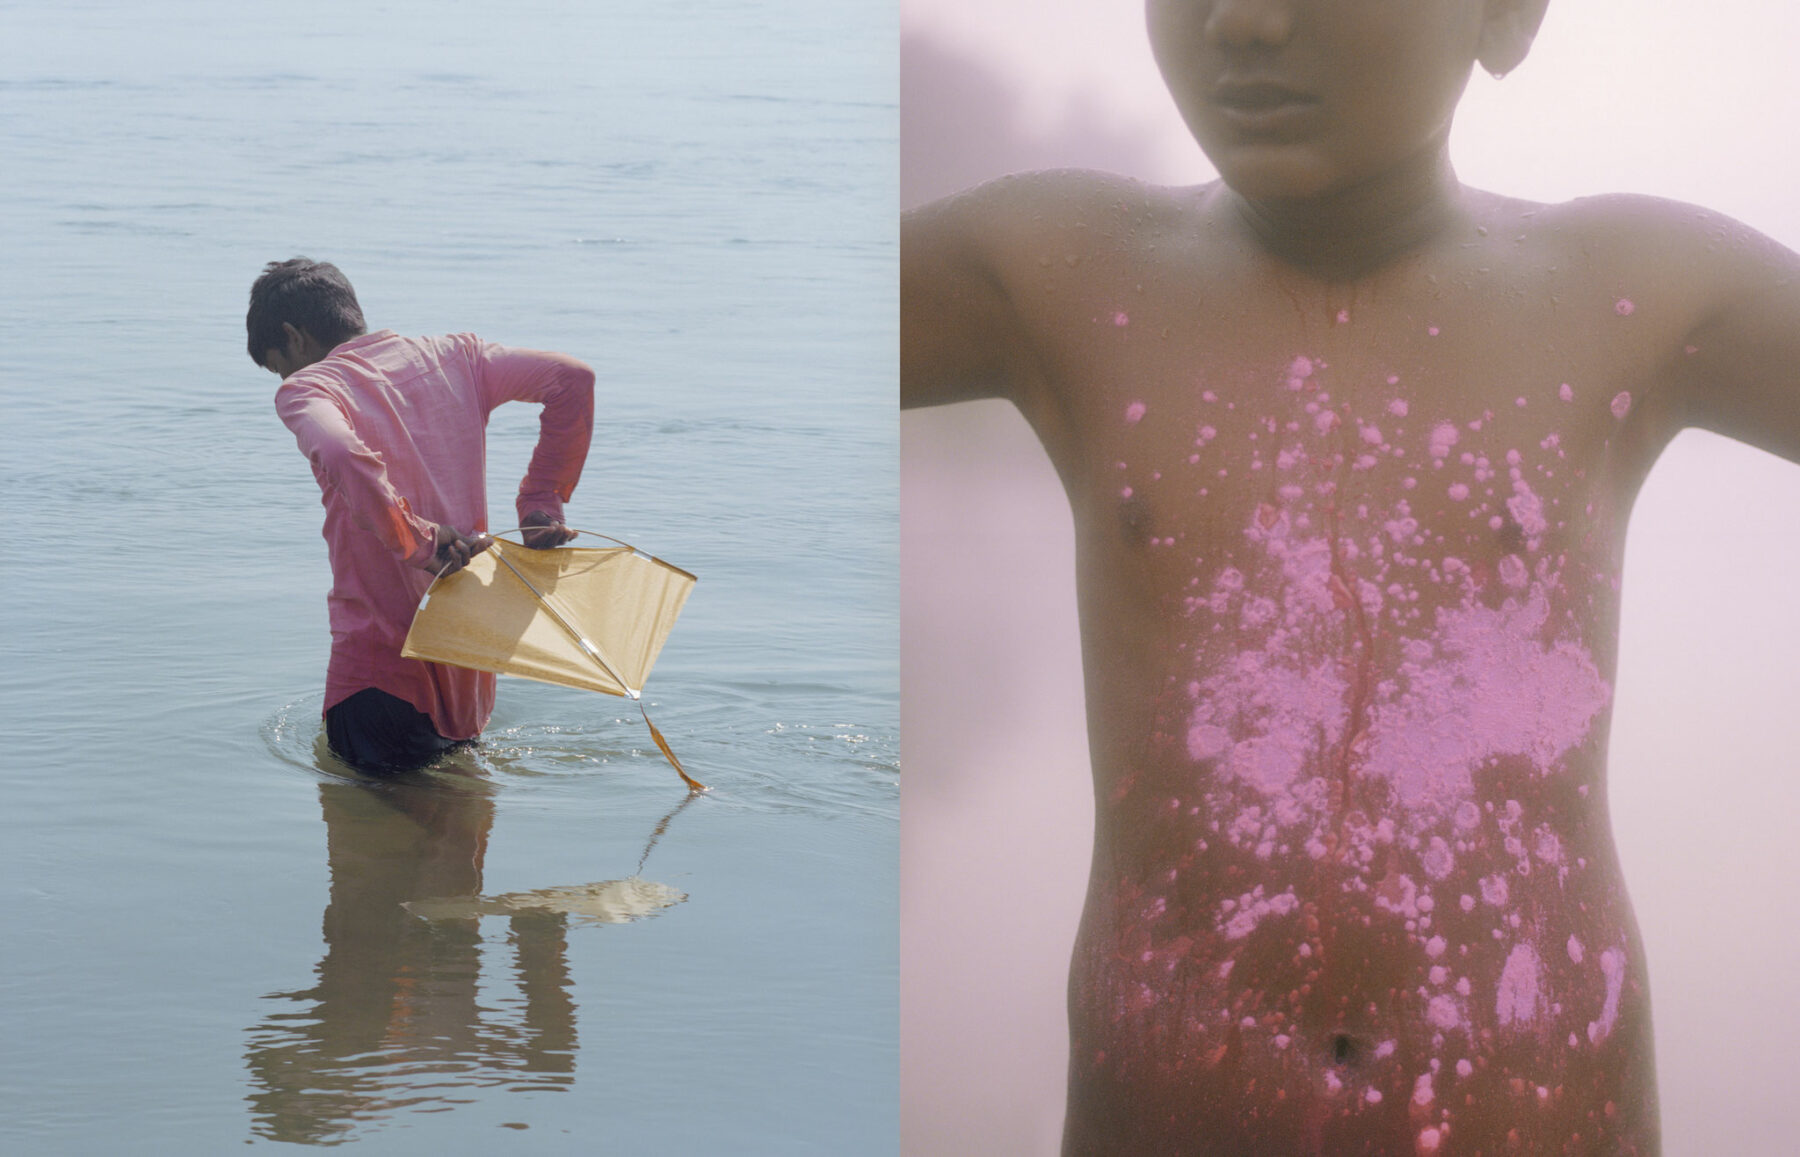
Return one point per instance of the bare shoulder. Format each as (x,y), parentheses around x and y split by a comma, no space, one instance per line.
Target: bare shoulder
(1725,297)
(1665,241)
(979,275)
(1026,215)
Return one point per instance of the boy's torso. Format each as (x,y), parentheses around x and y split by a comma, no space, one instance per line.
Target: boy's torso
(1349,578)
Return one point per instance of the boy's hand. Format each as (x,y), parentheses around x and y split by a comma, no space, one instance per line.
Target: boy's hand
(543,532)
(455,549)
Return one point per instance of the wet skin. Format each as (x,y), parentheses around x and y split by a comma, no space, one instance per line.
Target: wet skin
(1348,572)
(1350,451)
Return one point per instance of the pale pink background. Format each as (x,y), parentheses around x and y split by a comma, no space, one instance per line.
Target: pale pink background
(1692,102)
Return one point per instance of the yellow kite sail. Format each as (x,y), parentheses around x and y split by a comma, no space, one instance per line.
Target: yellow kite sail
(590,617)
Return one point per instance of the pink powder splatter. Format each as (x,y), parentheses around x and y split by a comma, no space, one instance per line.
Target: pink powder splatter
(1512,571)
(1458,491)
(1527,509)
(1301,367)
(1575,950)
(1432,330)
(1443,436)
(1621,404)
(1252,907)
(1612,964)
(1372,435)
(1397,407)
(1623,307)
(1510,692)
(1121,318)
(1519,402)
(1428,1140)
(1565,392)
(1443,1013)
(1517,999)
(1343,317)
(1125,492)
(1134,413)
(1208,396)
(1438,861)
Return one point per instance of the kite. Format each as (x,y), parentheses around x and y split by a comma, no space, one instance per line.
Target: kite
(588,617)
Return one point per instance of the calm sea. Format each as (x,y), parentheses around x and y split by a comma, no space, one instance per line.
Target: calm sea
(208,940)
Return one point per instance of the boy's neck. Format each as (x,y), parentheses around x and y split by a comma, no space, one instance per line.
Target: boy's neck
(1355,231)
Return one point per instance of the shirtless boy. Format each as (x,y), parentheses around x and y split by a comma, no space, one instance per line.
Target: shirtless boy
(394,428)
(1350,450)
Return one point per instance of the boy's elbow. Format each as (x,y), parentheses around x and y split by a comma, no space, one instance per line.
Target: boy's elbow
(577,383)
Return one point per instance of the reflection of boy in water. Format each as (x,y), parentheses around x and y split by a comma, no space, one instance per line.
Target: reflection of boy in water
(1350,450)
(395,430)
(397,1017)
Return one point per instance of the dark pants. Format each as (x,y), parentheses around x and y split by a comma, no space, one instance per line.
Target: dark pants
(379,733)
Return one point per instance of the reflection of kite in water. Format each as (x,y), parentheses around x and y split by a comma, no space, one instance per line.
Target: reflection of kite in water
(607,902)
(587,617)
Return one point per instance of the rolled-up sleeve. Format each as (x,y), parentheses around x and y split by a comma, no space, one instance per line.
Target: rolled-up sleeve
(565,388)
(343,463)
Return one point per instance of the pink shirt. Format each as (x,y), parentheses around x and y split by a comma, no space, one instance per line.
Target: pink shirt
(395,429)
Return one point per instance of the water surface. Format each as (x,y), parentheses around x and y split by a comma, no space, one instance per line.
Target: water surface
(211,941)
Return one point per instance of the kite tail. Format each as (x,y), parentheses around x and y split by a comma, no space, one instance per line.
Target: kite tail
(693,784)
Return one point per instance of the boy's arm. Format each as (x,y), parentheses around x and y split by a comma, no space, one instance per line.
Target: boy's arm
(344,463)
(1742,378)
(961,333)
(565,388)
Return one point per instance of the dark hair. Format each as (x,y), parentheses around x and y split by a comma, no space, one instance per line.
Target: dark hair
(311,295)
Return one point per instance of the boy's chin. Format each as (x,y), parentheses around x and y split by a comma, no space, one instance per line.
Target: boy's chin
(1276,173)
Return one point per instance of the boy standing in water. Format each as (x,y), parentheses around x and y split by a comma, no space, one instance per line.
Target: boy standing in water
(395,430)
(1350,450)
